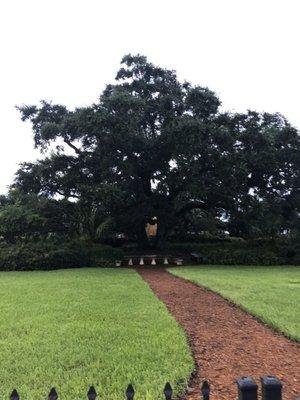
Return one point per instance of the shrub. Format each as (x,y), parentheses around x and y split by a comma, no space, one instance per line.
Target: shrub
(240,257)
(42,256)
(50,255)
(104,256)
(239,252)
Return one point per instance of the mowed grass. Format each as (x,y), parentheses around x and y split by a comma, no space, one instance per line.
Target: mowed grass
(74,328)
(271,293)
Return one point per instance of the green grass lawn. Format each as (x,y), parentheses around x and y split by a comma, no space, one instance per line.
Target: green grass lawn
(75,328)
(271,293)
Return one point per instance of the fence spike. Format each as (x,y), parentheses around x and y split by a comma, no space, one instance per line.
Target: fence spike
(14,395)
(205,390)
(130,392)
(168,391)
(91,394)
(53,394)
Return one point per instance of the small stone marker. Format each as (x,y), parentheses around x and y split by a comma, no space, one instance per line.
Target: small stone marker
(178,261)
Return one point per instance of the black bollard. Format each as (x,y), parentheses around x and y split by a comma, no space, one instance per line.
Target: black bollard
(130,392)
(271,388)
(53,394)
(14,395)
(91,394)
(247,388)
(205,390)
(168,391)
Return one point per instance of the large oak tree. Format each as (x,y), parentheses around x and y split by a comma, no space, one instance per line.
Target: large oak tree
(153,146)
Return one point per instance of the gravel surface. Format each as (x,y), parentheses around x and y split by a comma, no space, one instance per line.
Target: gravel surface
(227,343)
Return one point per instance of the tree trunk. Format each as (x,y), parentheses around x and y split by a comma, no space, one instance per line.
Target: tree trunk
(142,239)
(161,237)
(157,242)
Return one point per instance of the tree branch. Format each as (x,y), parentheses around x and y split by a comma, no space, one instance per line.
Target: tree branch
(191,206)
(67,195)
(77,151)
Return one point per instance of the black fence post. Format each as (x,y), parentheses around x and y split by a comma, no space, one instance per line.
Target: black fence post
(205,390)
(53,394)
(168,391)
(247,388)
(91,394)
(129,392)
(14,395)
(271,388)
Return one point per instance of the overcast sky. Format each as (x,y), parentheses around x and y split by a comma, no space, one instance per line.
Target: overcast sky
(247,51)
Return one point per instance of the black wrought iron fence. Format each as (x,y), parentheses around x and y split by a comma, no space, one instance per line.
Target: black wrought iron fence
(247,389)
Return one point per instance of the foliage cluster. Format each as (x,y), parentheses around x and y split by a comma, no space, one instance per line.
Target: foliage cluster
(242,252)
(151,146)
(49,255)
(37,232)
(28,217)
(104,256)
(154,146)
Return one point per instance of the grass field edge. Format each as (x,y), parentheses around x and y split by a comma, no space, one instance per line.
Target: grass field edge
(260,319)
(194,368)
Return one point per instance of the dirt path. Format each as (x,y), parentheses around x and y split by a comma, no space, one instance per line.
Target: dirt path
(227,343)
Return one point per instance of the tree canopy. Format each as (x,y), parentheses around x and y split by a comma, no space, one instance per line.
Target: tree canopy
(154,146)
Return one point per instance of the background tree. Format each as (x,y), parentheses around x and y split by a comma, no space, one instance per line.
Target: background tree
(25,217)
(153,146)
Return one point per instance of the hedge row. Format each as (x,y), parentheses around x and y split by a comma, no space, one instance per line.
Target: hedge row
(243,253)
(49,256)
(104,256)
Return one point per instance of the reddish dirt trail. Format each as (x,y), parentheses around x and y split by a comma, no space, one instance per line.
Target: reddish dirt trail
(227,343)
